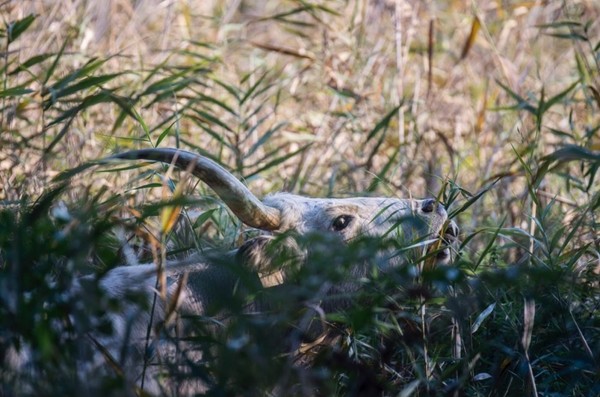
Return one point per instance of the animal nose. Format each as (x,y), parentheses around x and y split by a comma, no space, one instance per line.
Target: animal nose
(452,230)
(428,205)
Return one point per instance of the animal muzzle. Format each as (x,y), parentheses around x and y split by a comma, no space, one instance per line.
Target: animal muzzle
(447,245)
(446,230)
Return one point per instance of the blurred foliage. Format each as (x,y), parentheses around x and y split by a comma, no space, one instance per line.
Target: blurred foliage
(493,109)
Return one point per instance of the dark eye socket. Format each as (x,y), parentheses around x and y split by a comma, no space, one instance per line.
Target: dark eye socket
(341,222)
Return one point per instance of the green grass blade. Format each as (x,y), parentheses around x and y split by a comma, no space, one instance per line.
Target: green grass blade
(277,161)
(15,92)
(558,97)
(384,171)
(474,199)
(16,28)
(384,122)
(265,137)
(34,60)
(84,84)
(521,102)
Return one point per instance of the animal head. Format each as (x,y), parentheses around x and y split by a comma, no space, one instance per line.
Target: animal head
(406,220)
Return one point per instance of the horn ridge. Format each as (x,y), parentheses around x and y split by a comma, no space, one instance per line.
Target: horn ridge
(247,207)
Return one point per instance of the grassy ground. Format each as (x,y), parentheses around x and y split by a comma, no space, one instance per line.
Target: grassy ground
(491,106)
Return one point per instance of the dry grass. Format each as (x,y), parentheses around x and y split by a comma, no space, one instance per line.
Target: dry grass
(334,75)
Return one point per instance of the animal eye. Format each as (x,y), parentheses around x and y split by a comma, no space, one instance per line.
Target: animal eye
(341,222)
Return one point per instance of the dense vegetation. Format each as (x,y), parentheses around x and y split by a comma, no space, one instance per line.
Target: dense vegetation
(494,109)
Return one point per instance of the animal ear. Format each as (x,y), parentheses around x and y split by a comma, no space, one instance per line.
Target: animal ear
(253,253)
(268,254)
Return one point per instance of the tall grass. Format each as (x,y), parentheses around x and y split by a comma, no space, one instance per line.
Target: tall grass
(492,108)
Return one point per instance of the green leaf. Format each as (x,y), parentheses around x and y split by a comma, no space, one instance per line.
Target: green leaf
(566,154)
(383,123)
(87,69)
(164,133)
(169,83)
(473,199)
(569,36)
(209,119)
(126,104)
(559,24)
(202,218)
(221,104)
(561,134)
(68,174)
(166,91)
(91,100)
(595,94)
(274,152)
(217,136)
(572,153)
(277,161)
(15,91)
(381,175)
(248,116)
(286,13)
(248,94)
(521,102)
(16,28)
(34,60)
(52,67)
(150,185)
(254,127)
(265,137)
(58,136)
(235,92)
(489,246)
(557,98)
(93,81)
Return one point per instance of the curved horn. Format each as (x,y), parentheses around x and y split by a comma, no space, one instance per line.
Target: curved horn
(234,193)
